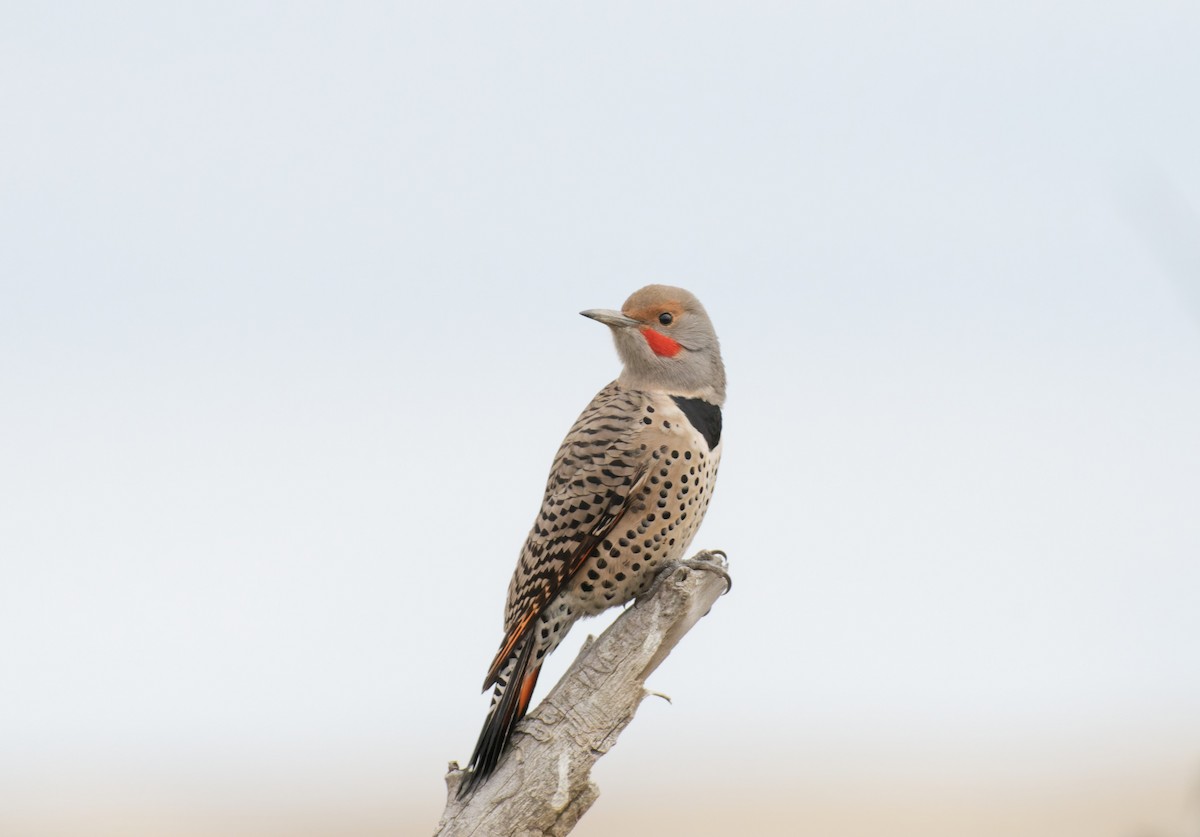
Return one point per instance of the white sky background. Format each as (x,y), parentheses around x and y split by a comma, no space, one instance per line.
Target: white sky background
(288,338)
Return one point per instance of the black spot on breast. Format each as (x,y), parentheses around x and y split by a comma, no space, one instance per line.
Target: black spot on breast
(705,417)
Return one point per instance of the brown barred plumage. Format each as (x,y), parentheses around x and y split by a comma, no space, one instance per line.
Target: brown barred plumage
(626,493)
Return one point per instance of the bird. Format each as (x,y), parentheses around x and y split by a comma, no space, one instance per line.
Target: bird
(626,493)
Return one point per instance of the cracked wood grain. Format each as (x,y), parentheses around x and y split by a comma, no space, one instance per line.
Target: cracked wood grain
(542,786)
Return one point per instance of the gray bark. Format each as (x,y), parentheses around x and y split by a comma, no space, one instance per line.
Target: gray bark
(542,787)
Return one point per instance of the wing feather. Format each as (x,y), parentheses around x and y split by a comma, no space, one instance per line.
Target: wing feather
(597,476)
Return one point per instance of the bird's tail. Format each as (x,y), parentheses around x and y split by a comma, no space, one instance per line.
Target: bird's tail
(514,688)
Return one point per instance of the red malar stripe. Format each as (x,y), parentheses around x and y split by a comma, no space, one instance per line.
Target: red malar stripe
(660,343)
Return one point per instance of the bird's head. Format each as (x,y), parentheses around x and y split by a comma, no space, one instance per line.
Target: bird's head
(667,343)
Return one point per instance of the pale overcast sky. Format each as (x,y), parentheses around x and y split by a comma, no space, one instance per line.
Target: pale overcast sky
(289,336)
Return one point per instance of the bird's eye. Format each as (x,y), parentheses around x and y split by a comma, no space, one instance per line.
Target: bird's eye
(665,318)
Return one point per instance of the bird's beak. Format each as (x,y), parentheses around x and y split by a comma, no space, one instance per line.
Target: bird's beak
(611,318)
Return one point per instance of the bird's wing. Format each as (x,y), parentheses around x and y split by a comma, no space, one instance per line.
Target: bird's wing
(596,477)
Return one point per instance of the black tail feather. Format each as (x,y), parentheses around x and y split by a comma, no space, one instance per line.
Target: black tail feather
(501,719)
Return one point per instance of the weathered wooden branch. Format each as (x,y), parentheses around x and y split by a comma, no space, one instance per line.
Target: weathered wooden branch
(542,787)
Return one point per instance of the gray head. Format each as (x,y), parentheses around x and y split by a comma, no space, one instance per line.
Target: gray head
(667,343)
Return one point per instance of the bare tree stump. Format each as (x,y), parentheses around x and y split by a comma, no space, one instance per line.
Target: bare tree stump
(542,787)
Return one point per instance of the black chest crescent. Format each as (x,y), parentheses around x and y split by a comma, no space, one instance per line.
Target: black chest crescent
(705,417)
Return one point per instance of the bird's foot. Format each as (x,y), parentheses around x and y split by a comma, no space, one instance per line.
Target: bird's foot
(709,561)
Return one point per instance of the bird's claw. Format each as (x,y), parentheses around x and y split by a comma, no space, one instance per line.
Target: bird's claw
(711,561)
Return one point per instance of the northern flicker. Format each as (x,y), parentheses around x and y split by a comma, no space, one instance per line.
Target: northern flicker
(626,493)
